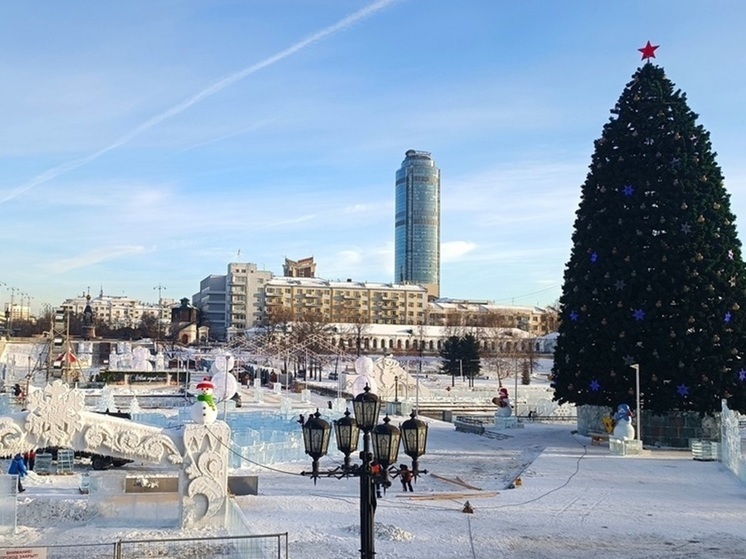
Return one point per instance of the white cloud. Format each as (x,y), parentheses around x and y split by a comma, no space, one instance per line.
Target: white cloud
(92,257)
(452,251)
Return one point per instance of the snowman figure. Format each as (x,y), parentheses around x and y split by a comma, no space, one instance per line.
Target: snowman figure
(504,407)
(204,409)
(623,428)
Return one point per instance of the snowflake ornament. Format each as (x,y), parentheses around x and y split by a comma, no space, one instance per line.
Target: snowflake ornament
(54,413)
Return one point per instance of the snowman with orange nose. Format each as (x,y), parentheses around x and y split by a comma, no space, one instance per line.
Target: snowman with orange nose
(204,409)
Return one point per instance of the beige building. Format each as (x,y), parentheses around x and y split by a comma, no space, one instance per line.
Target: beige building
(347,302)
(120,312)
(537,321)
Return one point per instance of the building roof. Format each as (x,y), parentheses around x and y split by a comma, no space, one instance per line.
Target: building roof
(338,284)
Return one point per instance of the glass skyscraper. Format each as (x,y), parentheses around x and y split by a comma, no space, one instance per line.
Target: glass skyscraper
(417,225)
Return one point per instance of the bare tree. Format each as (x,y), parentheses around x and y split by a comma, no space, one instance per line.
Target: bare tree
(277,332)
(355,326)
(310,326)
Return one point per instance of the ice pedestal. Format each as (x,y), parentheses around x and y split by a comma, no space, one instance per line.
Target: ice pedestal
(705,450)
(624,447)
(43,464)
(8,504)
(65,461)
(505,422)
(305,395)
(108,497)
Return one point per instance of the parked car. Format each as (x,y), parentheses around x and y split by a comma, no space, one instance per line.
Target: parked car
(333,375)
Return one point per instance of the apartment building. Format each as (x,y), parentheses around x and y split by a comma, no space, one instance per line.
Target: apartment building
(537,321)
(120,311)
(233,302)
(345,301)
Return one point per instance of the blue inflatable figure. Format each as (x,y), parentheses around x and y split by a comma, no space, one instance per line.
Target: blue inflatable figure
(623,428)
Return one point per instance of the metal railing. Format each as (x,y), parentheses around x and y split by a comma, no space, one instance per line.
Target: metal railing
(265,546)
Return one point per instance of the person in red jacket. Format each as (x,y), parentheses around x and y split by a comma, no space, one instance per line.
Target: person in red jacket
(406,476)
(29,458)
(377,473)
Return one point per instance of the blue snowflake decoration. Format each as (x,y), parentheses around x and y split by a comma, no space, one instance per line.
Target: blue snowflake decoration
(727,317)
(686,228)
(628,190)
(742,375)
(595,386)
(594,257)
(574,316)
(628,360)
(683,390)
(639,314)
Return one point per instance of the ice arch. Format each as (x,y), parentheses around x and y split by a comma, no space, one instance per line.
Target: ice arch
(55,416)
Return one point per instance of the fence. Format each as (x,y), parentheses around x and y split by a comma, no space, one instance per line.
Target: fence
(267,546)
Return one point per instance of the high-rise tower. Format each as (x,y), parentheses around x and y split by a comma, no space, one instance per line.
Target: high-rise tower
(417,227)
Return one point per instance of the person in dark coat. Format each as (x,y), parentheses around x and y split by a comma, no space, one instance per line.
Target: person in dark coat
(18,468)
(406,476)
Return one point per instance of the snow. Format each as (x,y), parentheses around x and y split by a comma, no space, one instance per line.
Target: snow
(574,500)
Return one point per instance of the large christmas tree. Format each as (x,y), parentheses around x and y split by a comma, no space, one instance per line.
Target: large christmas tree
(655,277)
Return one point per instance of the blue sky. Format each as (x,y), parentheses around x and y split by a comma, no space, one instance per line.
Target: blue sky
(148,142)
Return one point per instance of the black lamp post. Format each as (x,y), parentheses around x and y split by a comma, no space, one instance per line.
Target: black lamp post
(347,434)
(385,444)
(316,439)
(414,437)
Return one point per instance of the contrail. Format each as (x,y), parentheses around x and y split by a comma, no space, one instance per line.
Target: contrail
(209,91)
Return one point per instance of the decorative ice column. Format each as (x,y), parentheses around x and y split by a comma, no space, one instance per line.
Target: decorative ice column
(203,479)
(56,417)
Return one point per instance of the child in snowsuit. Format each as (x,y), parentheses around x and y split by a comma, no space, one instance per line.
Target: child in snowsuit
(18,468)
(406,475)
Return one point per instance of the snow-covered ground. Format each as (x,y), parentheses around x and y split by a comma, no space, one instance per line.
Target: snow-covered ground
(575,500)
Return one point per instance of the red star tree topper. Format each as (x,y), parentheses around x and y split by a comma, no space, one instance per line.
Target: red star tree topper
(648,51)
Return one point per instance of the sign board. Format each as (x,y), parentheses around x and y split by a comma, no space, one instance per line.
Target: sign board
(24,553)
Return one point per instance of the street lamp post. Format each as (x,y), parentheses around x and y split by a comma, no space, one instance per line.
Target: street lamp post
(382,439)
(9,314)
(515,374)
